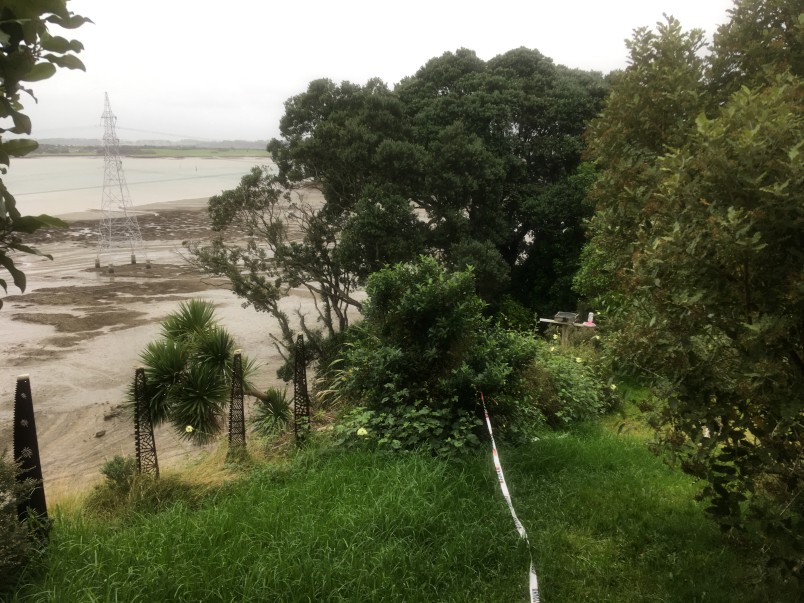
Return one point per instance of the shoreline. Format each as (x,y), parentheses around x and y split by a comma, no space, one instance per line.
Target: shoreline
(78,332)
(193,204)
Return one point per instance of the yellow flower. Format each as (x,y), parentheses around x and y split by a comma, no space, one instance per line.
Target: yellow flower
(578,359)
(189,429)
(555,336)
(613,387)
(552,348)
(362,432)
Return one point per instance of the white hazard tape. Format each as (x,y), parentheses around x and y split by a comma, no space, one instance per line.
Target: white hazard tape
(534,582)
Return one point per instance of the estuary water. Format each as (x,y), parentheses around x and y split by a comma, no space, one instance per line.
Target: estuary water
(64,185)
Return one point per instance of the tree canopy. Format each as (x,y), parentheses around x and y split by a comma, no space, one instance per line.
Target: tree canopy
(695,256)
(475,162)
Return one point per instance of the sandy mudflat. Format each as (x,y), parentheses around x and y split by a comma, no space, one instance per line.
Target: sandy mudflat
(78,333)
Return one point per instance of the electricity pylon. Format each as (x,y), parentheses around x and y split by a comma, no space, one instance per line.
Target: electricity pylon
(118,227)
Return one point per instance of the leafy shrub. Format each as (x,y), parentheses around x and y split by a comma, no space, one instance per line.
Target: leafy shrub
(16,539)
(144,494)
(421,356)
(272,415)
(119,472)
(567,388)
(189,372)
(416,426)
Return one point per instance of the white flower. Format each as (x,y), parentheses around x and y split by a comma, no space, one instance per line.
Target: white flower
(189,429)
(578,359)
(362,432)
(555,336)
(552,348)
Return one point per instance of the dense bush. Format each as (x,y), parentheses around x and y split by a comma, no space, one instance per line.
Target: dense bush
(119,472)
(16,539)
(695,256)
(415,366)
(121,499)
(272,414)
(189,372)
(566,388)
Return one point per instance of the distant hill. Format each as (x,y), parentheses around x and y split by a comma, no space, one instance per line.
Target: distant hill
(153,148)
(188,143)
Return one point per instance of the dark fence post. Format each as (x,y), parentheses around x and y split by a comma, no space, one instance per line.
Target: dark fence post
(144,442)
(301,401)
(237,420)
(26,453)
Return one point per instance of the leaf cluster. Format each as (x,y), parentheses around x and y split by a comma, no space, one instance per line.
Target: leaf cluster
(17,541)
(420,357)
(29,52)
(470,161)
(566,388)
(271,241)
(189,372)
(272,415)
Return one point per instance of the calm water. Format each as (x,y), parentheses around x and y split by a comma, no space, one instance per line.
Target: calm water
(60,185)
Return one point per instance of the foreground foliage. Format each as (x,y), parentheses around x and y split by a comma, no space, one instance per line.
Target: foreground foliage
(607,520)
(17,541)
(415,366)
(697,251)
(189,372)
(29,52)
(477,163)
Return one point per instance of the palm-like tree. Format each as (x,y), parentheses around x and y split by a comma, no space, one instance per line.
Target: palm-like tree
(189,372)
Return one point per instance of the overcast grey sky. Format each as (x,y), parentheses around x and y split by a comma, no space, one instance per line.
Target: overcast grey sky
(222,70)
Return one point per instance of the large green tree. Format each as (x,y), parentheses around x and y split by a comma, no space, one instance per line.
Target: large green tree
(474,162)
(29,52)
(696,256)
(497,145)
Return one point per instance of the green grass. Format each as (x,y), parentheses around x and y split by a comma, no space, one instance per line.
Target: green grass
(607,522)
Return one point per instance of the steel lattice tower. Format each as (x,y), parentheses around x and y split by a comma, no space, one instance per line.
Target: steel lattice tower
(118,227)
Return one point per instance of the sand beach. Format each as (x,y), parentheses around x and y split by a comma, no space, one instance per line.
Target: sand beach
(78,332)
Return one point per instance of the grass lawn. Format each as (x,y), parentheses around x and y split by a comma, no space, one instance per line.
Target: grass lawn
(607,522)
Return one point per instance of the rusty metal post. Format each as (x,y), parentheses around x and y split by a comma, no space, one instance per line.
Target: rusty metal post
(301,400)
(237,421)
(144,442)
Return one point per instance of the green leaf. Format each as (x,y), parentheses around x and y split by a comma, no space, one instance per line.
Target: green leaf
(68,61)
(30,250)
(19,147)
(39,72)
(22,123)
(30,224)
(17,274)
(61,45)
(10,203)
(71,22)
